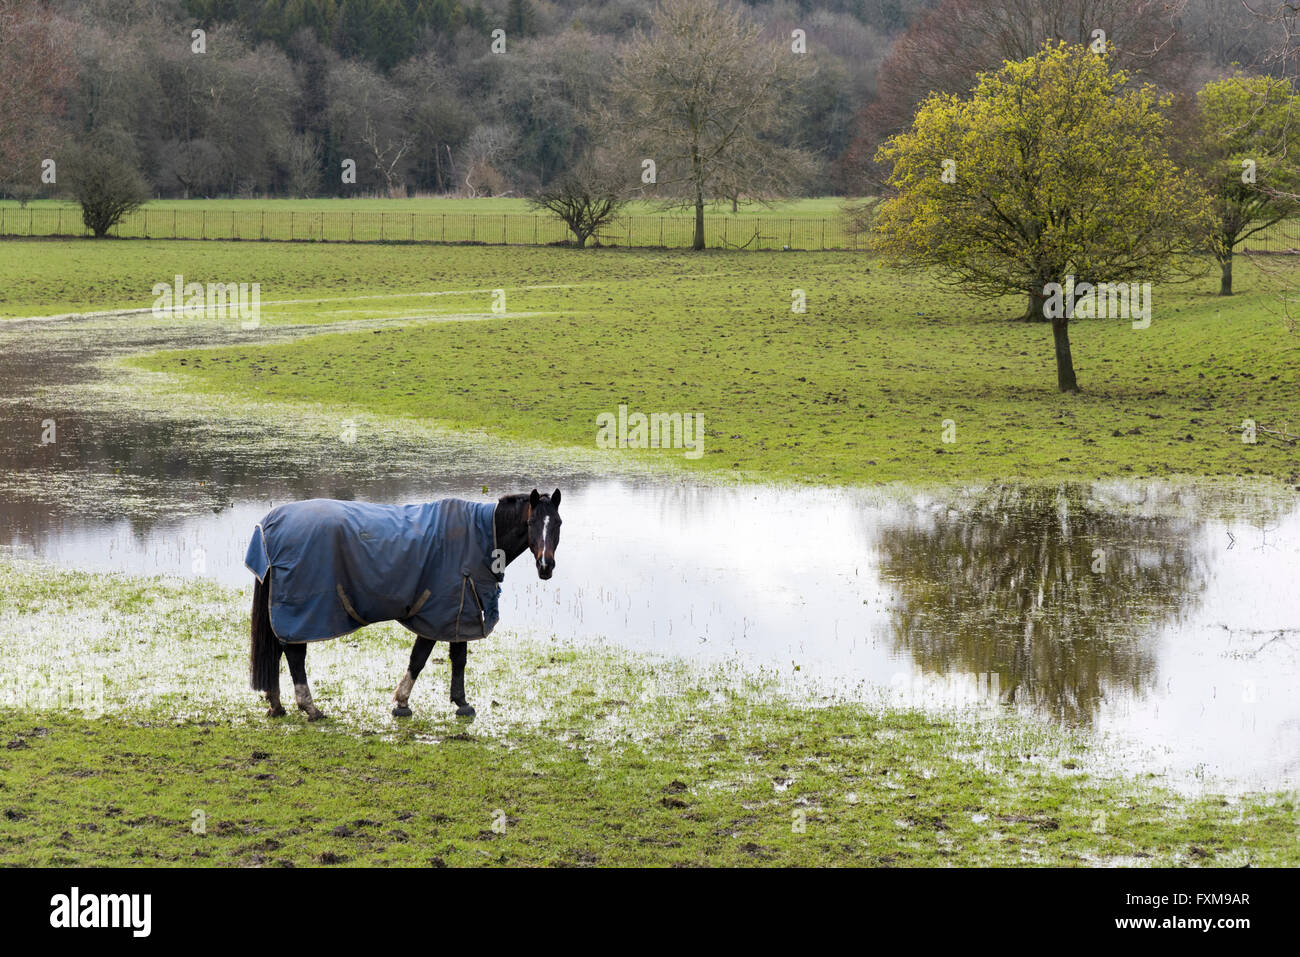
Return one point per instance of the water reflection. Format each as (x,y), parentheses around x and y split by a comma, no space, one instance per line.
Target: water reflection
(1057,598)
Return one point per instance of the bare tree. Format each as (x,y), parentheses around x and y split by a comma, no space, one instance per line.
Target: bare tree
(702,96)
(36,67)
(387,153)
(302,158)
(945,50)
(486,147)
(107,183)
(367,120)
(586,198)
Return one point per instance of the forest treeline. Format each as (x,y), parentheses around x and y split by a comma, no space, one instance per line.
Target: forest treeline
(274,96)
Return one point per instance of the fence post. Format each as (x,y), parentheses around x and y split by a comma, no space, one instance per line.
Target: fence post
(503,229)
(534,229)
(412,227)
(30,213)
(823,235)
(60,226)
(173,222)
(629,232)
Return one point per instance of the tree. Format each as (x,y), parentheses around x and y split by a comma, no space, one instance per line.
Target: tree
(485,150)
(1054,168)
(946,49)
(702,95)
(302,157)
(586,198)
(519,18)
(1248,143)
(36,63)
(107,184)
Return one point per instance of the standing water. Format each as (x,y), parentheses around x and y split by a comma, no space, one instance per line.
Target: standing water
(1131,609)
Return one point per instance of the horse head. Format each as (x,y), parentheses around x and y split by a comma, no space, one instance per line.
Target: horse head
(544,530)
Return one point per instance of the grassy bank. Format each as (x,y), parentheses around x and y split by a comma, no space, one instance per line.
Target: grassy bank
(580,756)
(857,389)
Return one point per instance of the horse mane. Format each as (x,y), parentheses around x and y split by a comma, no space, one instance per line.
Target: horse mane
(514,504)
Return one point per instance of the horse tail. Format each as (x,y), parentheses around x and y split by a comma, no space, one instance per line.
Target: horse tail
(264,648)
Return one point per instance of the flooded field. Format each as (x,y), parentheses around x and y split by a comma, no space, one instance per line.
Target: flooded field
(1164,617)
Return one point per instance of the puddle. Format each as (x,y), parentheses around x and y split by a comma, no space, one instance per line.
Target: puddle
(1163,616)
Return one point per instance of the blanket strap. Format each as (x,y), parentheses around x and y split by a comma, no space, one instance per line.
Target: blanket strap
(482,612)
(347,605)
(482,615)
(419,603)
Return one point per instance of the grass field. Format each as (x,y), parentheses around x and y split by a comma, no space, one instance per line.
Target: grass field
(619,760)
(800,224)
(804,224)
(818,206)
(589,755)
(857,389)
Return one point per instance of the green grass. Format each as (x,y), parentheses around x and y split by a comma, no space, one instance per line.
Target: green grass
(618,760)
(856,390)
(801,224)
(820,206)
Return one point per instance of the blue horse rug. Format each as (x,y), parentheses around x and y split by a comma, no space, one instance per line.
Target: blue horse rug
(340,565)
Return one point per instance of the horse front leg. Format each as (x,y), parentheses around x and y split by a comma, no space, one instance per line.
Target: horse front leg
(419,655)
(459,651)
(296,653)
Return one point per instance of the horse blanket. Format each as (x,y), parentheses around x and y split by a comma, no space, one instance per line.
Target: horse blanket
(340,565)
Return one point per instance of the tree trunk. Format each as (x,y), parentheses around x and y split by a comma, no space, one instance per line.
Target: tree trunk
(699,219)
(697,173)
(1065,380)
(1033,311)
(1225,277)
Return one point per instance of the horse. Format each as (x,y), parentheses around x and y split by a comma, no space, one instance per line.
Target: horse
(435,568)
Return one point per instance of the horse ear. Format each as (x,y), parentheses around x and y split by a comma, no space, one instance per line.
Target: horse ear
(534,499)
(555,498)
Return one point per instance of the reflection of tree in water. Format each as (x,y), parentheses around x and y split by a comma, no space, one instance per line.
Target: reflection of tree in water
(1008,588)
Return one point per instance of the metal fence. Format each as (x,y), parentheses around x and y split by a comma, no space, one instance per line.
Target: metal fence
(500,229)
(508,229)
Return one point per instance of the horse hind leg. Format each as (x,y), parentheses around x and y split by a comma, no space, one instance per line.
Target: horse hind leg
(419,655)
(296,653)
(276,709)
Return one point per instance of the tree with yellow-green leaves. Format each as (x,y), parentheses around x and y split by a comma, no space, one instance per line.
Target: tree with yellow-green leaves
(1052,167)
(1248,147)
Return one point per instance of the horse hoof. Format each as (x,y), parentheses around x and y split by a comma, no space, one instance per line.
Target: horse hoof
(314,715)
(401,711)
(466,711)
(276,712)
